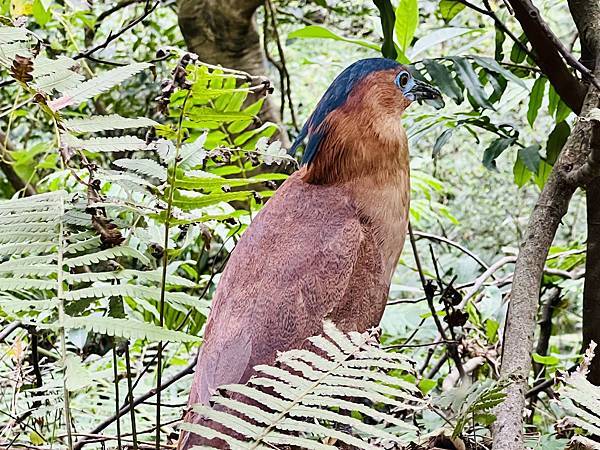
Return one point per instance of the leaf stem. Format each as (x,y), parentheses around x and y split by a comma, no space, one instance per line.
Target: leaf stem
(163,283)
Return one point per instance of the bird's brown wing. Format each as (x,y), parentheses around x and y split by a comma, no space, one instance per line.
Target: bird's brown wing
(290,270)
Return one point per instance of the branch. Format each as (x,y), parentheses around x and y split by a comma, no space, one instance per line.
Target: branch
(142,398)
(549,54)
(112,36)
(543,223)
(591,169)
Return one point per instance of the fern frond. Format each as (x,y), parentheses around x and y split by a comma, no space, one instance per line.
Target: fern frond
(106,144)
(43,66)
(193,154)
(27,247)
(60,81)
(125,328)
(17,237)
(146,167)
(299,399)
(83,245)
(105,255)
(97,85)
(583,405)
(26,284)
(94,124)
(202,201)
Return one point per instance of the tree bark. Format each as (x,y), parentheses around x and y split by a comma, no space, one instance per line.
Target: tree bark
(591,292)
(551,206)
(225,32)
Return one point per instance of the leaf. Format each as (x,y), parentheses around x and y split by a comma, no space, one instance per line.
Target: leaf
(494,150)
(125,328)
(407,19)
(521,174)
(493,66)
(13,34)
(106,144)
(562,111)
(465,71)
(530,157)
(443,80)
(94,124)
(545,360)
(556,140)
(206,114)
(144,166)
(388,21)
(450,8)
(517,54)
(436,37)
(319,32)
(536,98)
(553,100)
(97,85)
(441,140)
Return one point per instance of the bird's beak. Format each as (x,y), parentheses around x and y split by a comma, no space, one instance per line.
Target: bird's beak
(424,92)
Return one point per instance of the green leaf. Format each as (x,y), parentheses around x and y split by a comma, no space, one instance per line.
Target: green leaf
(388,21)
(94,124)
(535,100)
(517,54)
(407,19)
(441,140)
(319,32)
(443,80)
(41,14)
(450,8)
(545,360)
(530,157)
(499,44)
(494,150)
(467,74)
(543,173)
(553,100)
(562,111)
(521,174)
(436,37)
(493,66)
(106,144)
(557,139)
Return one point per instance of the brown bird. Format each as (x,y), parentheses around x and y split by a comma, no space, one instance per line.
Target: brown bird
(326,244)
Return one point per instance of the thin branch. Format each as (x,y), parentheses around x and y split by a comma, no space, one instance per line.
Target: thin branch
(112,36)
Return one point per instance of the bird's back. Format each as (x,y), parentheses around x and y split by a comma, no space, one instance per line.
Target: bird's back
(267,301)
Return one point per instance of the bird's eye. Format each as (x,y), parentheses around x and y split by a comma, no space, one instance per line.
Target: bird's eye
(402,79)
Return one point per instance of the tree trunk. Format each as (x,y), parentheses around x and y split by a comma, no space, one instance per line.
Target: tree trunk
(225,32)
(591,293)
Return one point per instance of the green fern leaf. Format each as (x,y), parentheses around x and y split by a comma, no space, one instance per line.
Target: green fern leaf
(146,167)
(60,81)
(125,328)
(109,122)
(105,255)
(97,85)
(106,144)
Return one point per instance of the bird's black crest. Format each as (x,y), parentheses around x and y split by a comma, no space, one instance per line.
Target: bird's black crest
(334,97)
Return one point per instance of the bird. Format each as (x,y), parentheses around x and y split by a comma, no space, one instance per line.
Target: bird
(325,246)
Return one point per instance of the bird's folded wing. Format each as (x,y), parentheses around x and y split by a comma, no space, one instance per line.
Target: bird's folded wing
(289,271)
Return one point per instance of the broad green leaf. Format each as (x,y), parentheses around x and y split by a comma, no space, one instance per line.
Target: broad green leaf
(553,100)
(521,174)
(450,8)
(41,14)
(319,32)
(407,19)
(443,80)
(562,111)
(517,54)
(556,140)
(545,360)
(469,78)
(494,150)
(499,44)
(530,157)
(542,175)
(536,98)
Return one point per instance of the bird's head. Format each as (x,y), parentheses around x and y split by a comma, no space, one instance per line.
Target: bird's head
(358,118)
